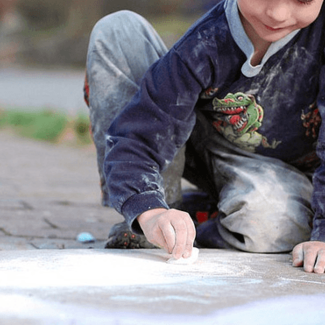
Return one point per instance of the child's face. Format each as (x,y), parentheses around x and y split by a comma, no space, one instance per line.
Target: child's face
(271,20)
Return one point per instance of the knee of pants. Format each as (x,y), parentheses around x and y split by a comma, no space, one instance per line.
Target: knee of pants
(117,22)
(126,28)
(271,221)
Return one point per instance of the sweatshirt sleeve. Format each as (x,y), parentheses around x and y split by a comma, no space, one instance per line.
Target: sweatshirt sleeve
(146,136)
(318,200)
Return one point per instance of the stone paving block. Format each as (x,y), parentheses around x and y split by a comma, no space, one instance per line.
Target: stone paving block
(47,171)
(31,243)
(58,221)
(8,243)
(38,243)
(13,204)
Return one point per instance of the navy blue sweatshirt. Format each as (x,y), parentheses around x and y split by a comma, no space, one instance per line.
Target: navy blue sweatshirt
(205,70)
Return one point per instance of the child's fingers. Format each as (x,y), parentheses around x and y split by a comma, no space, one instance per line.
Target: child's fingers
(191,232)
(310,256)
(168,234)
(298,255)
(159,240)
(181,233)
(320,264)
(171,229)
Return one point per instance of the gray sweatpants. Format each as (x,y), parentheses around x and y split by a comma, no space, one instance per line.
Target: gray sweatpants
(263,203)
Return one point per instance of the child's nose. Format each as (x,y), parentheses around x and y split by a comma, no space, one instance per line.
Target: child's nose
(279,11)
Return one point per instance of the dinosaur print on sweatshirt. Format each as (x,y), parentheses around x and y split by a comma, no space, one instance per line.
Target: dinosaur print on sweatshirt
(238,118)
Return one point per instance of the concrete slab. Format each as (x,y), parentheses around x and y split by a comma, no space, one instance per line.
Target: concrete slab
(139,287)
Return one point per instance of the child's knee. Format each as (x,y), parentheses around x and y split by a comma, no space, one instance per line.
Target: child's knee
(118,22)
(121,31)
(268,227)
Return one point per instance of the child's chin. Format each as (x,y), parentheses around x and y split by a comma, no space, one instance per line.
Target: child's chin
(274,35)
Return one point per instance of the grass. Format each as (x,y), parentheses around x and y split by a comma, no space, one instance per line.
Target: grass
(46,125)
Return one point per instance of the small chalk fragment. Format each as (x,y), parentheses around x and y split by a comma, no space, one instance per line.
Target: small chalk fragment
(185,261)
(86,237)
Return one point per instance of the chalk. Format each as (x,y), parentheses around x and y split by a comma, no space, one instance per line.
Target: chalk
(185,261)
(85,237)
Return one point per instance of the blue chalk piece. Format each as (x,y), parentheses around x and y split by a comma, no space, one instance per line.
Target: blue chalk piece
(85,237)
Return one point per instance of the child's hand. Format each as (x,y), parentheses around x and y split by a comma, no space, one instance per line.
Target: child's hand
(310,255)
(172,230)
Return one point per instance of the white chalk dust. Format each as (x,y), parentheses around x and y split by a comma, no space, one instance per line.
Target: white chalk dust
(100,268)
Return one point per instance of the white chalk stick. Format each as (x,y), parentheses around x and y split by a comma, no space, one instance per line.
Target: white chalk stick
(185,261)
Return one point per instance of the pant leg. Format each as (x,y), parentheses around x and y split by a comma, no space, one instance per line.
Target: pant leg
(263,203)
(122,47)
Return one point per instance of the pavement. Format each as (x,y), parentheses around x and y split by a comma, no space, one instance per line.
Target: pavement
(49,194)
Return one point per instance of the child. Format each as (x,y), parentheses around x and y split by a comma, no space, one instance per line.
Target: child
(243,91)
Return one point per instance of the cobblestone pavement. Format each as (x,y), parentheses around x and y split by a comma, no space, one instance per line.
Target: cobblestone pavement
(48,195)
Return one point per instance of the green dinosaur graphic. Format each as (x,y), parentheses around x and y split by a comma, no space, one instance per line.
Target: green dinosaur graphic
(238,119)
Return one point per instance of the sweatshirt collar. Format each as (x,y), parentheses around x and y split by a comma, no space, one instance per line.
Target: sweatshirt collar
(245,44)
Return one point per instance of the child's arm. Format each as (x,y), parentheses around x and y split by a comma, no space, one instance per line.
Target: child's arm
(310,255)
(172,230)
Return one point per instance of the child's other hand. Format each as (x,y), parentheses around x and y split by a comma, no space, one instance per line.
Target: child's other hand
(172,230)
(310,255)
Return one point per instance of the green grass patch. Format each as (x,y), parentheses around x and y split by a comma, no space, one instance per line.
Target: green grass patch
(45,125)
